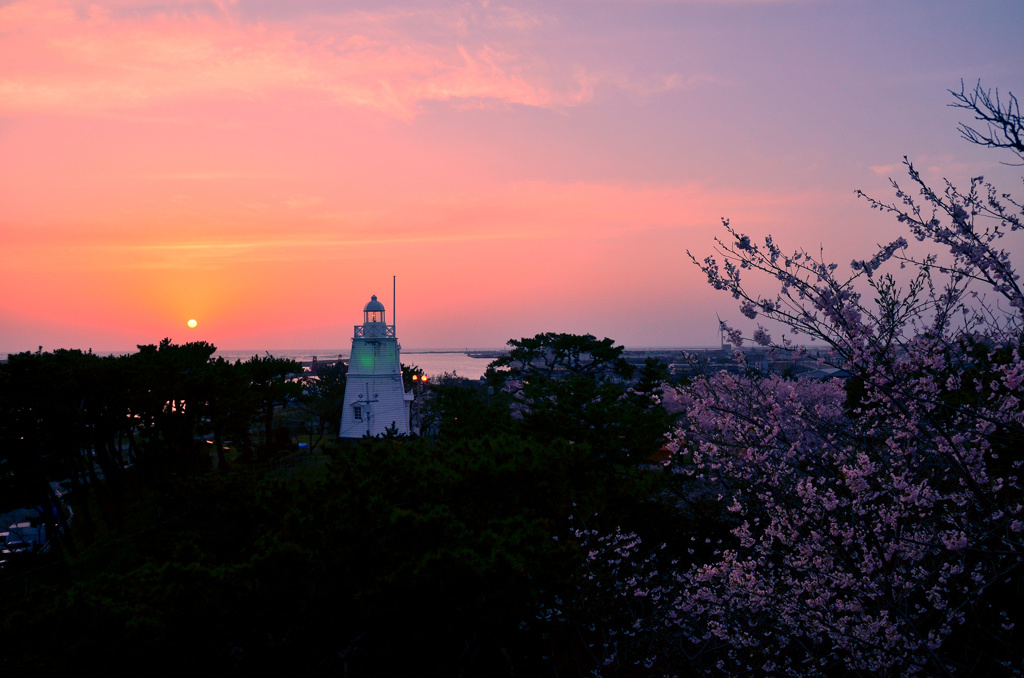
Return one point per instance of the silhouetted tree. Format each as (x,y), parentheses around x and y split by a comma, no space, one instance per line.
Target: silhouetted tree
(169,385)
(230,405)
(456,408)
(323,397)
(571,387)
(274,383)
(551,353)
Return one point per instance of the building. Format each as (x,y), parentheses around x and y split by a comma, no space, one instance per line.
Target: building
(375,397)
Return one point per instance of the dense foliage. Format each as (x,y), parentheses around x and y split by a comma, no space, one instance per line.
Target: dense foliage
(397,555)
(576,387)
(78,418)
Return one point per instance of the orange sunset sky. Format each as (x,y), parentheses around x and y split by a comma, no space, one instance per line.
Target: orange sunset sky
(264,167)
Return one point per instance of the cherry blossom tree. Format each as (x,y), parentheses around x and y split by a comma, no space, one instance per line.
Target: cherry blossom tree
(877,526)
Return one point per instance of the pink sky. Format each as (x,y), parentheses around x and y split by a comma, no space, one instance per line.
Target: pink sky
(264,167)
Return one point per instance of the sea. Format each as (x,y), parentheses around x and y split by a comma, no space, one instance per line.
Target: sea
(433,362)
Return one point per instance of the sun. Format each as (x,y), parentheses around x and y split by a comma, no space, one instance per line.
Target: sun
(192,323)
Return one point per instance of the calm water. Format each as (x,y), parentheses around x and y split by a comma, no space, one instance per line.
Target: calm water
(436,364)
(433,364)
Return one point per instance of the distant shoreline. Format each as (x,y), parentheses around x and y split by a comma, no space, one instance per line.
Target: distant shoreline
(307,355)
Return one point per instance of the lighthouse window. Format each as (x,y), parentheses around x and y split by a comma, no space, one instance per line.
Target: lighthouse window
(359,413)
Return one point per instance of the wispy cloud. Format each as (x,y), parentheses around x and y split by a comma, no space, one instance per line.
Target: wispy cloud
(544,212)
(884,170)
(70,57)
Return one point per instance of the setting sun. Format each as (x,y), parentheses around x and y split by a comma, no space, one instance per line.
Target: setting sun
(192,323)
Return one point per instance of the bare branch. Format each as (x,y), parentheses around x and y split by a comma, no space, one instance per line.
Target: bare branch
(1004,127)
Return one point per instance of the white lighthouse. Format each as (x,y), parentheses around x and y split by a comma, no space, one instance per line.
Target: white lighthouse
(375,397)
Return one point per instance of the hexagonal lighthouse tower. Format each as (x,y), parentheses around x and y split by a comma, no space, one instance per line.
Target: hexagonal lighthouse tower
(375,397)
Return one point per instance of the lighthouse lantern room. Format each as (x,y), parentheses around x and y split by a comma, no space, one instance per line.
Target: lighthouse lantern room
(375,397)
